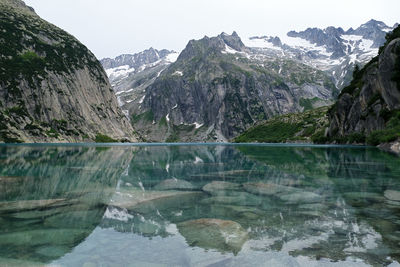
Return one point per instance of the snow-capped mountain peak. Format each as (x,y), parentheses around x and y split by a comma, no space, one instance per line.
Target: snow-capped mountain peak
(124,65)
(331,49)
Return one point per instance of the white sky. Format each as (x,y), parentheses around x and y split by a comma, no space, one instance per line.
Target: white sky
(113,27)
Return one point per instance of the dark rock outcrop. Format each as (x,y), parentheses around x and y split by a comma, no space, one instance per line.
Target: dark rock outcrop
(330,37)
(370,106)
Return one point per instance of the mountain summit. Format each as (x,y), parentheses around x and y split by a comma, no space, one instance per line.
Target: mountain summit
(218,87)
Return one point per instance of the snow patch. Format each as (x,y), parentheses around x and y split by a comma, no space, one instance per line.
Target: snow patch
(305,45)
(124,92)
(351,37)
(260,43)
(126,113)
(198,125)
(229,50)
(120,102)
(366,45)
(171,58)
(119,72)
(178,73)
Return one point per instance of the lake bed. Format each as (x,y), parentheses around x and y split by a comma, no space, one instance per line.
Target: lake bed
(198,205)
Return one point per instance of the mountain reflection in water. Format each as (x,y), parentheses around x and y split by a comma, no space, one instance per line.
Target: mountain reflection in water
(198,205)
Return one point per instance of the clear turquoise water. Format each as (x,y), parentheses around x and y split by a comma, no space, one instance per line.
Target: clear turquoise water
(198,205)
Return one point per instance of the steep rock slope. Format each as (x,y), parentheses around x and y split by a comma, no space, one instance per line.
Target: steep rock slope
(52,88)
(369,108)
(218,88)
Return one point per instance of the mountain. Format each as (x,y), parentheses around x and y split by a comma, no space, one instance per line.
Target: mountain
(332,49)
(52,88)
(366,112)
(123,65)
(131,74)
(313,64)
(369,108)
(218,88)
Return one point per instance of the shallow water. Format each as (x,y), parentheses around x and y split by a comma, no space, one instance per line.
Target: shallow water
(198,205)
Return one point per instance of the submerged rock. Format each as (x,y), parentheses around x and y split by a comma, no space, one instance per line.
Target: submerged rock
(49,211)
(301,197)
(44,237)
(242,214)
(219,187)
(84,219)
(392,195)
(149,201)
(393,203)
(362,199)
(311,213)
(373,197)
(240,199)
(174,184)
(10,206)
(147,228)
(53,251)
(267,188)
(17,262)
(313,206)
(222,235)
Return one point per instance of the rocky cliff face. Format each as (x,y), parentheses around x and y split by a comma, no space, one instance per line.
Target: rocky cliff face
(369,108)
(52,88)
(218,88)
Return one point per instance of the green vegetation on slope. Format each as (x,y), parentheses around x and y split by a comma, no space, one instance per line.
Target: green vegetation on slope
(389,134)
(305,127)
(101,138)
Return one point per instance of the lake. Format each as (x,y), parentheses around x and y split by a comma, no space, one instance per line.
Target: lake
(198,205)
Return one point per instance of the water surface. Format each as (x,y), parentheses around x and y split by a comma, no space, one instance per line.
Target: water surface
(198,205)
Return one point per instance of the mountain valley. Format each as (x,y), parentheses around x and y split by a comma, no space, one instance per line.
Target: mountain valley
(218,87)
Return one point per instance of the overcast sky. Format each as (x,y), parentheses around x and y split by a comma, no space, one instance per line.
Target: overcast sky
(113,27)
